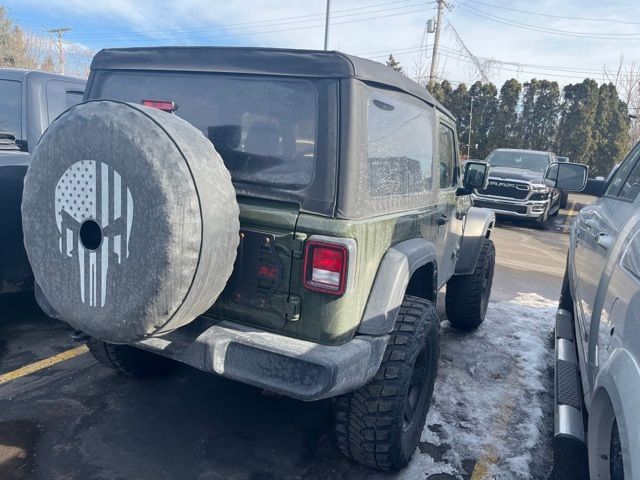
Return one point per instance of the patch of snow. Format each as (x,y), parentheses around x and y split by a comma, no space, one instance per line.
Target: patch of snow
(486,404)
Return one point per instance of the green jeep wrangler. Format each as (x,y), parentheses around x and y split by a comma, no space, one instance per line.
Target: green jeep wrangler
(282,218)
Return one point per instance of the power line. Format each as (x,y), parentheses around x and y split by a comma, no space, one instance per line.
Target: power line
(320,25)
(524,26)
(259,24)
(475,61)
(610,20)
(582,71)
(467,60)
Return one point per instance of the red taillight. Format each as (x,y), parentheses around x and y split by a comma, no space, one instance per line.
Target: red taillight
(160,105)
(325,267)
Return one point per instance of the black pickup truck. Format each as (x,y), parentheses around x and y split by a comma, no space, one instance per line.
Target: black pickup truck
(29,101)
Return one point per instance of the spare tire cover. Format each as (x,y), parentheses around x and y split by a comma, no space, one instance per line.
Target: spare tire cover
(130,220)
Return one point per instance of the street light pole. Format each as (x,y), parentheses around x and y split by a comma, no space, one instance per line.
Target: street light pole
(326,26)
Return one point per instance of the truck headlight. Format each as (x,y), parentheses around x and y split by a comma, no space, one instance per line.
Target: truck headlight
(540,192)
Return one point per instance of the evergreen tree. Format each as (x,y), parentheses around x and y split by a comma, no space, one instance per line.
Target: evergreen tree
(539,119)
(393,63)
(546,111)
(504,133)
(440,91)
(485,106)
(526,121)
(575,138)
(458,103)
(611,131)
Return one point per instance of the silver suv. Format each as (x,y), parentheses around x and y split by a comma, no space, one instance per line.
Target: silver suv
(598,328)
(516,187)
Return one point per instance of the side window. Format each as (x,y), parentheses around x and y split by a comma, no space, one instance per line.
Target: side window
(11,107)
(446,157)
(621,176)
(631,186)
(73,97)
(399,148)
(60,96)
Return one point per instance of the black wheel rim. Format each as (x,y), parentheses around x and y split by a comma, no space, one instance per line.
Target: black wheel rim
(414,398)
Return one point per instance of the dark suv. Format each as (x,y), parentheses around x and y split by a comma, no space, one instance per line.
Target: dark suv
(302,255)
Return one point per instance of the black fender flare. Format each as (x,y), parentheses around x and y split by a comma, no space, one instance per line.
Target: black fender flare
(477,226)
(396,268)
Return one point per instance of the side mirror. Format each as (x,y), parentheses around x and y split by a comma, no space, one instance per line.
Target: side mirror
(475,176)
(595,186)
(571,177)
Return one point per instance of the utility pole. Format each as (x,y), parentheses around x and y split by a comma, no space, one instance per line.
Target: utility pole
(436,42)
(470,125)
(59,33)
(326,26)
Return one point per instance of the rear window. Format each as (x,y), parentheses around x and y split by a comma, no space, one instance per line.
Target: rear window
(265,129)
(537,162)
(62,95)
(11,107)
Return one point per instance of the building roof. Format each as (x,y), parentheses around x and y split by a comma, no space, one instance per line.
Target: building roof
(260,61)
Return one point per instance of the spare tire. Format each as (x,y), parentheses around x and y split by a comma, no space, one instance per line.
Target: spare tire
(130,220)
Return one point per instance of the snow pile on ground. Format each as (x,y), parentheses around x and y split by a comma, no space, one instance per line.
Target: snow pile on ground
(486,417)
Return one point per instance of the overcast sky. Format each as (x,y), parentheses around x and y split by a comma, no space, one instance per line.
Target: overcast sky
(560,40)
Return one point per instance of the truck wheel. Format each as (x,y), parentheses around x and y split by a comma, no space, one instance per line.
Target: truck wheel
(616,465)
(564,199)
(543,222)
(379,425)
(130,220)
(128,360)
(468,295)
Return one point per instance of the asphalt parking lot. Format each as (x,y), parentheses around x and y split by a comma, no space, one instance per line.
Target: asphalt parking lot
(64,416)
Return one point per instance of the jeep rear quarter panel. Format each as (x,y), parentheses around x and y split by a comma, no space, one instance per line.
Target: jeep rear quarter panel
(378,209)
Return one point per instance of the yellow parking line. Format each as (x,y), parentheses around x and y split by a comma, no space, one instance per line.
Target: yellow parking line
(46,363)
(490,457)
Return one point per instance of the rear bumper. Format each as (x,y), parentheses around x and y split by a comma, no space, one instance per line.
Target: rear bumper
(288,366)
(513,208)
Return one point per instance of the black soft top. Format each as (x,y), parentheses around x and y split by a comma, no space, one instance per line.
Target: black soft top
(260,61)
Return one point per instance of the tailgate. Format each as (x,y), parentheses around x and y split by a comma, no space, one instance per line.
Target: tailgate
(257,292)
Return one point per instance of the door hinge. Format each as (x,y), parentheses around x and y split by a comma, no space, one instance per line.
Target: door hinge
(292,309)
(287,305)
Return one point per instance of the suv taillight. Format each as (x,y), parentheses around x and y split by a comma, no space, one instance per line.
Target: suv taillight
(325,267)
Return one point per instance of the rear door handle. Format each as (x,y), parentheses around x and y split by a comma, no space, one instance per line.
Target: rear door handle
(604,240)
(442,219)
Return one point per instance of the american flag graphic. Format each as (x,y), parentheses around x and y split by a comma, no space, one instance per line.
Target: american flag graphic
(92,190)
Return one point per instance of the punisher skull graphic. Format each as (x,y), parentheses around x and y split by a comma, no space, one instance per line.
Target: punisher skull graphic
(94,213)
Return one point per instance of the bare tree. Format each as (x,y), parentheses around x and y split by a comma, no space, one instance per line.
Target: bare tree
(34,51)
(626,78)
